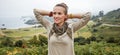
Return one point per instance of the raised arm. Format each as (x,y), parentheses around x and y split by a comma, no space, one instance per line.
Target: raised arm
(83,20)
(39,16)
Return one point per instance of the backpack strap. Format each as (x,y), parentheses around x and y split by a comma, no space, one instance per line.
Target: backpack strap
(69,31)
(51,31)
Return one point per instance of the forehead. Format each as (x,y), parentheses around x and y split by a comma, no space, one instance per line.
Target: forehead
(58,8)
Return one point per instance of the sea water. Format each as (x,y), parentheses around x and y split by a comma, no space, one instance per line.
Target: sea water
(12,23)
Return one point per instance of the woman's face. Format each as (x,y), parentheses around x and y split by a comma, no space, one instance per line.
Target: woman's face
(59,15)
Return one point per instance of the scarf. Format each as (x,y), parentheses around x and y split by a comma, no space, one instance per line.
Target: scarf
(60,30)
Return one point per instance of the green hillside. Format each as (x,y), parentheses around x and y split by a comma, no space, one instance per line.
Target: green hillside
(112,17)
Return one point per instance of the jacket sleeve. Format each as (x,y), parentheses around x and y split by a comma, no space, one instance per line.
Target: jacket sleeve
(81,22)
(41,19)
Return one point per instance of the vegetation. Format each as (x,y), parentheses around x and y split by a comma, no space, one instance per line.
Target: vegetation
(112,17)
(24,32)
(104,41)
(93,39)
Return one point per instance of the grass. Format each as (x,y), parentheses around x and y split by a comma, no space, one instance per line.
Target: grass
(1,33)
(23,32)
(110,31)
(84,32)
(28,32)
(101,48)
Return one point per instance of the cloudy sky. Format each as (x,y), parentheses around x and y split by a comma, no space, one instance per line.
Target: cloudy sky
(17,8)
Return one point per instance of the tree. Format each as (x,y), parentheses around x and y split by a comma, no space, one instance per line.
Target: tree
(101,13)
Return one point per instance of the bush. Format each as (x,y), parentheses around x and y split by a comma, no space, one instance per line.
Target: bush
(7,31)
(19,43)
(80,40)
(110,40)
(95,30)
(26,30)
(43,40)
(34,40)
(7,41)
(88,40)
(92,38)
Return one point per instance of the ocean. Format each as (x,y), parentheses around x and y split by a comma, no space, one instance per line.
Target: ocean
(18,22)
(13,23)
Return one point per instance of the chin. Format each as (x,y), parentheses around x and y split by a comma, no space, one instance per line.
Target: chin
(56,22)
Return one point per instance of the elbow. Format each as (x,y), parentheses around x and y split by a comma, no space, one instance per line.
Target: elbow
(88,15)
(34,11)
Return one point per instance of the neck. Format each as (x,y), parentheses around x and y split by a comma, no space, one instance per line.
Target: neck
(60,24)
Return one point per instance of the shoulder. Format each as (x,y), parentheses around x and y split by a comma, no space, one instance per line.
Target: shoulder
(70,23)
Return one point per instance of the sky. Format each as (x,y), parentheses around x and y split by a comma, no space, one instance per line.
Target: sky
(18,8)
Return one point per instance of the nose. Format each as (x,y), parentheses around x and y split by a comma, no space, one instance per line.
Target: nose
(56,15)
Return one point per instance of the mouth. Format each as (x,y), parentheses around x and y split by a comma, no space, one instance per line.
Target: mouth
(56,19)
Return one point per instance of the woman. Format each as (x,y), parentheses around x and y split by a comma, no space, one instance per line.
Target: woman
(60,40)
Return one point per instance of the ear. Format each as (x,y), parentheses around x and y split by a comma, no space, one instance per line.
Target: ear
(66,17)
